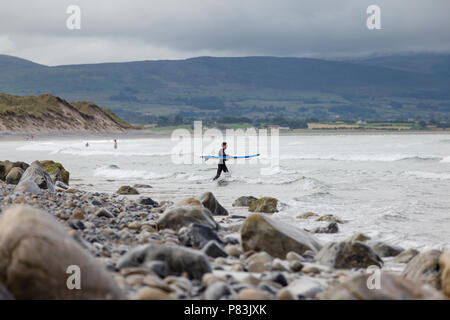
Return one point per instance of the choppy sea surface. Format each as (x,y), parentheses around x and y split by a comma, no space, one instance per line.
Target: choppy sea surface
(394,187)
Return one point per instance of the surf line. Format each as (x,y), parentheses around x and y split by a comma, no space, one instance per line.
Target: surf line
(233,157)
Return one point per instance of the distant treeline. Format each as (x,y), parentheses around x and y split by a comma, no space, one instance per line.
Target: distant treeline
(188,118)
(164,121)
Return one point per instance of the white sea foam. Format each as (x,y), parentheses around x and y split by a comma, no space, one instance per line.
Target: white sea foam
(446,160)
(109,172)
(429,175)
(361,157)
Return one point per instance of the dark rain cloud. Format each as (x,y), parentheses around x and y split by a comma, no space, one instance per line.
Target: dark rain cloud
(167,29)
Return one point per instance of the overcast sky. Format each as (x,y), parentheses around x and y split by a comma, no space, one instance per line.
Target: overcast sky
(129,30)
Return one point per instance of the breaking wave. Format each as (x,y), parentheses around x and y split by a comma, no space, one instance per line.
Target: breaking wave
(429,175)
(114,172)
(363,157)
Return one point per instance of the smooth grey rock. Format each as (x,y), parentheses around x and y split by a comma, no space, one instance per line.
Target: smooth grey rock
(14,175)
(76,224)
(219,291)
(177,258)
(104,213)
(330,228)
(61,185)
(383,249)
(96,202)
(146,201)
(244,201)
(347,255)
(276,277)
(159,267)
(197,235)
(35,255)
(214,250)
(35,176)
(142,186)
(260,232)
(28,186)
(181,216)
(306,287)
(210,202)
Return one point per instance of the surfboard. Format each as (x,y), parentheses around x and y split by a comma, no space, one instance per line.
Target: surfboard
(233,157)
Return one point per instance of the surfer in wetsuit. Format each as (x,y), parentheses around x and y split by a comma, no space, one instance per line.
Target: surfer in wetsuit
(221,166)
(115,144)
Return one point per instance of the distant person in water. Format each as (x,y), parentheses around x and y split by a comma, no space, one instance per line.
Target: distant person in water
(115,144)
(222,158)
(87,144)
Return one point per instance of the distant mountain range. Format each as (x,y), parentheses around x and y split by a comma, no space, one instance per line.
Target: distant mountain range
(46,112)
(387,87)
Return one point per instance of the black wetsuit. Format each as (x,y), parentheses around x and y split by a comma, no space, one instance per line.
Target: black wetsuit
(221,166)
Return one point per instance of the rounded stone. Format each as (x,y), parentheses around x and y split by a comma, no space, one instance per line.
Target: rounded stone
(253,294)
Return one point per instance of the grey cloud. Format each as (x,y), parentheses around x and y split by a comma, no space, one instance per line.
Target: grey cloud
(160,29)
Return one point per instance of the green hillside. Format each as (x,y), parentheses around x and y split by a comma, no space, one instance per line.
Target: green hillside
(380,88)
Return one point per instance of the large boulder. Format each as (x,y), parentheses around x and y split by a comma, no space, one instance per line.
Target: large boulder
(444,262)
(347,255)
(127,190)
(14,175)
(36,253)
(6,166)
(392,287)
(177,217)
(244,201)
(197,235)
(260,232)
(178,259)
(425,267)
(56,171)
(265,205)
(210,202)
(35,179)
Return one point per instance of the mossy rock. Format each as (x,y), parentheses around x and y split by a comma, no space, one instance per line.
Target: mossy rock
(14,175)
(6,166)
(56,171)
(127,190)
(265,204)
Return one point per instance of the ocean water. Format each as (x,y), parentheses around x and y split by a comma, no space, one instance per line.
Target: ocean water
(394,187)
